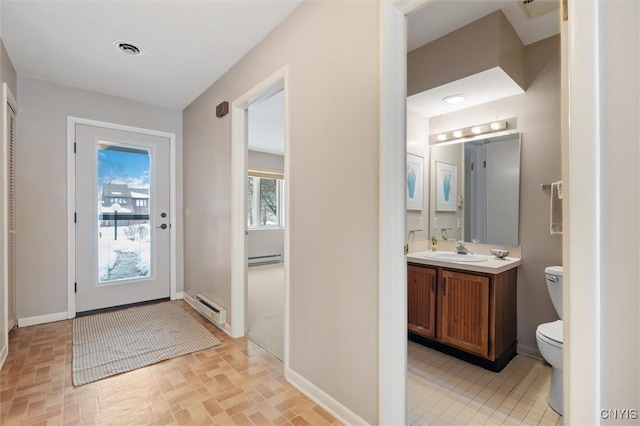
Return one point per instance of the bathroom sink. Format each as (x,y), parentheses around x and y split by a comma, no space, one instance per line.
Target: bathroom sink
(455,257)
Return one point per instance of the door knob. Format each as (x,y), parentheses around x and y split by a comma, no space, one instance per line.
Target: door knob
(163,226)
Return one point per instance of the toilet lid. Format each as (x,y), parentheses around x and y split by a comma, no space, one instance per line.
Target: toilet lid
(552,330)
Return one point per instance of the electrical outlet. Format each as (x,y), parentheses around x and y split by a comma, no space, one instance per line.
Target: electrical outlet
(420,224)
(187,212)
(459,222)
(435,223)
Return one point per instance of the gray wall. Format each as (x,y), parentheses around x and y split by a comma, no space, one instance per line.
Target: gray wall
(332,50)
(538,114)
(264,242)
(41,182)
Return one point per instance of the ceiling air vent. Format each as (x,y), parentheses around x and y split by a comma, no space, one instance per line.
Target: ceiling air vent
(128,48)
(536,8)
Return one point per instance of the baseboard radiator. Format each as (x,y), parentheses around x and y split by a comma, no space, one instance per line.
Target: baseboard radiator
(210,309)
(263,260)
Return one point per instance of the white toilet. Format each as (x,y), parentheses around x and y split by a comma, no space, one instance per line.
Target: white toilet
(549,337)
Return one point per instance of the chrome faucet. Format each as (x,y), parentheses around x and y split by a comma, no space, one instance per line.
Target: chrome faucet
(461,249)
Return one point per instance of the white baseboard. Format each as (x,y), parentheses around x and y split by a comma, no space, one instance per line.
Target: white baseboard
(178,296)
(317,395)
(189,299)
(529,351)
(42,319)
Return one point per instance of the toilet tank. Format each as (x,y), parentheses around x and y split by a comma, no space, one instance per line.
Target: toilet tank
(553,275)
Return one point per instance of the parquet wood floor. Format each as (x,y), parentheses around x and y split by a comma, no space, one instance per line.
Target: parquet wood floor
(235,383)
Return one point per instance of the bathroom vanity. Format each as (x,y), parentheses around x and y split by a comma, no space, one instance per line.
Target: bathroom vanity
(465,309)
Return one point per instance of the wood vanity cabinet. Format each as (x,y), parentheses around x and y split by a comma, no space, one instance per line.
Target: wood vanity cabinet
(421,292)
(470,315)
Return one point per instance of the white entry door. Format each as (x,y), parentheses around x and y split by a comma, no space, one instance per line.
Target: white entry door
(122,217)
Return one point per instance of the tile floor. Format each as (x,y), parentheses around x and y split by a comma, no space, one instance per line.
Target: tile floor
(240,383)
(447,391)
(234,383)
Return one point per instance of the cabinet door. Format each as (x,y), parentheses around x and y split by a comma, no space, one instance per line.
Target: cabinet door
(421,307)
(464,320)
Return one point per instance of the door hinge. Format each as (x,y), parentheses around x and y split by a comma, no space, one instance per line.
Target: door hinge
(75,287)
(490,288)
(489,347)
(472,164)
(75,218)
(74,147)
(565,10)
(406,249)
(484,163)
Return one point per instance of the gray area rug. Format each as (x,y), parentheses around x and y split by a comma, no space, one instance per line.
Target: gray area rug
(116,342)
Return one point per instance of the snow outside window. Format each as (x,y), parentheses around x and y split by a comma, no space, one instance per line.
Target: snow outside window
(264,203)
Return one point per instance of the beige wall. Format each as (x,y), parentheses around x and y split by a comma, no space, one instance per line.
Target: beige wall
(538,114)
(9,75)
(41,182)
(481,45)
(620,209)
(332,49)
(265,162)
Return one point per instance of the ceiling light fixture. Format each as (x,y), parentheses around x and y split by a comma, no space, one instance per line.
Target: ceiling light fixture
(454,99)
(470,132)
(128,48)
(498,125)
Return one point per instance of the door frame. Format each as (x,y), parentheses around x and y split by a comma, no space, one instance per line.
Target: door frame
(581,144)
(277,81)
(71,202)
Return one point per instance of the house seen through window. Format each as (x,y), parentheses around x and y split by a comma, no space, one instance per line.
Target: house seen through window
(265,200)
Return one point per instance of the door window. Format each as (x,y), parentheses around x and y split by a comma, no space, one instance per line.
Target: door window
(124,197)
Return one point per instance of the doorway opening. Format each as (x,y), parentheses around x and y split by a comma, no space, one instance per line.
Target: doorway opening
(266,223)
(260,207)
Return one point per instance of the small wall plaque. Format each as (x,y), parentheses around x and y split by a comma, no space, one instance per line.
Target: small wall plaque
(222,109)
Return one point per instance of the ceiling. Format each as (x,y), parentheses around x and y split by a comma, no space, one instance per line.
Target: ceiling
(266,125)
(485,86)
(441,17)
(188,44)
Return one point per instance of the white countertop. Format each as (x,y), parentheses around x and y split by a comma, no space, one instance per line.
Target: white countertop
(491,266)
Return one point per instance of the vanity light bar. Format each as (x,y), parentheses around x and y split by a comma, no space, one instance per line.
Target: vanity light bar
(473,131)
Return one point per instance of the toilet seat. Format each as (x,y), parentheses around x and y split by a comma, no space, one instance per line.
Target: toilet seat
(551,333)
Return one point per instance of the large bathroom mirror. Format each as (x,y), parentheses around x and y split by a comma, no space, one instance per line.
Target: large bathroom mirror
(475,190)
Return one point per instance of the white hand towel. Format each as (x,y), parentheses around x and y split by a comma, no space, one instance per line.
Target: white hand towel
(556,209)
(560,189)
